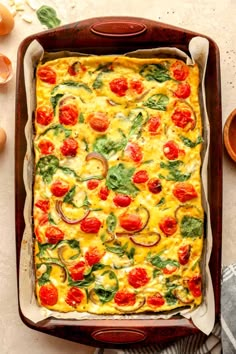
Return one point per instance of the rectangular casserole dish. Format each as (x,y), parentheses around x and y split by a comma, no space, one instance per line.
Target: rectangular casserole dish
(115,35)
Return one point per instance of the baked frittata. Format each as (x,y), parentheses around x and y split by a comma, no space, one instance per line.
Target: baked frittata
(118,217)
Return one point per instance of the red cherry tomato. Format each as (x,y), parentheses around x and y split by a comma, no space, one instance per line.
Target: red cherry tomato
(74,296)
(46,147)
(69,147)
(77,271)
(98,121)
(54,234)
(119,86)
(184,254)
(171,150)
(138,277)
(59,188)
(122,200)
(44,115)
(44,205)
(137,86)
(154,185)
(179,70)
(168,225)
(93,255)
(182,117)
(125,298)
(90,225)
(103,193)
(156,300)
(47,74)
(92,184)
(140,176)
(169,269)
(68,114)
(183,90)
(153,124)
(134,152)
(195,285)
(48,295)
(43,220)
(184,191)
(130,222)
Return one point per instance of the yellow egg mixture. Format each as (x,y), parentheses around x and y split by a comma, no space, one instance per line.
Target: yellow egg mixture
(118,219)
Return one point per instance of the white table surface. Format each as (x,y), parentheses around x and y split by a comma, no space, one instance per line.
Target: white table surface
(215,18)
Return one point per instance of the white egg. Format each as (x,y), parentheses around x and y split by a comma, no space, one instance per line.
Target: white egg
(3,139)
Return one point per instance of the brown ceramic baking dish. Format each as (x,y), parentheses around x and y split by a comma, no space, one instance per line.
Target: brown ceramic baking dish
(117,35)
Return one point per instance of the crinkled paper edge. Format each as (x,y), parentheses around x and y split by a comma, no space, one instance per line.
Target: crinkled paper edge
(204,316)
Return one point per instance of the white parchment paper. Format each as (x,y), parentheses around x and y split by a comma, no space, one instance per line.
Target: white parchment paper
(204,316)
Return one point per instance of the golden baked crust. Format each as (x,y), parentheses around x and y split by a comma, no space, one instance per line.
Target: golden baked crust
(118,218)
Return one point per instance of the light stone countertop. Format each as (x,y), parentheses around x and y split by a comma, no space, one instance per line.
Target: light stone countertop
(213,18)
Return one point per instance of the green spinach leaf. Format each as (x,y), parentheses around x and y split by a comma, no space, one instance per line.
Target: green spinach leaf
(158,262)
(47,166)
(45,278)
(111,222)
(72,84)
(55,99)
(107,147)
(174,173)
(191,226)
(119,180)
(70,196)
(136,126)
(58,128)
(157,101)
(190,143)
(157,72)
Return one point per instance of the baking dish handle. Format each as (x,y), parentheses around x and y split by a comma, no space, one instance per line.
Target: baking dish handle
(118,28)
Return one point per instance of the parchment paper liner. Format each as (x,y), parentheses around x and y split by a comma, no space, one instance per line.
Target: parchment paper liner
(204,316)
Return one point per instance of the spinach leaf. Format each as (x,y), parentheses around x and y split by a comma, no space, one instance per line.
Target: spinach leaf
(130,254)
(87,281)
(111,222)
(158,262)
(155,72)
(70,196)
(50,219)
(98,83)
(43,248)
(46,167)
(161,202)
(119,180)
(136,125)
(98,266)
(107,147)
(105,295)
(58,128)
(45,276)
(157,101)
(116,249)
(55,99)
(48,16)
(103,68)
(81,118)
(156,272)
(68,171)
(70,83)
(86,145)
(174,173)
(170,298)
(190,143)
(191,226)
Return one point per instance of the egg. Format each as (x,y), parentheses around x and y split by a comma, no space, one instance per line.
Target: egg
(3,139)
(6,21)
(6,71)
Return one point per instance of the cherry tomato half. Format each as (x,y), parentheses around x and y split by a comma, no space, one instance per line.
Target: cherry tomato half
(184,191)
(44,205)
(156,300)
(54,234)
(130,222)
(168,225)
(134,152)
(154,185)
(75,68)
(68,114)
(119,86)
(171,150)
(90,225)
(93,255)
(137,86)
(92,184)
(182,117)
(74,296)
(69,147)
(183,90)
(47,74)
(44,115)
(46,147)
(77,271)
(125,298)
(169,269)
(103,193)
(184,254)
(122,200)
(98,121)
(153,124)
(179,70)
(138,277)
(140,176)
(48,295)
(59,188)
(195,285)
